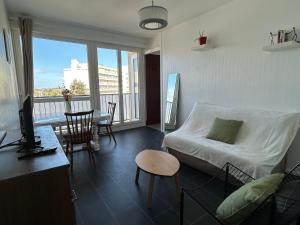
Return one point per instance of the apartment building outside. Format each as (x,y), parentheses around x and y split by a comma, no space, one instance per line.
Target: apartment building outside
(108,77)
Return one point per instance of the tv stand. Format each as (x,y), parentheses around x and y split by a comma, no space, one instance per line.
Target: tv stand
(36,188)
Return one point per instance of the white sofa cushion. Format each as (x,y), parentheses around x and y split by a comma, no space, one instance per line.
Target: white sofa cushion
(261,144)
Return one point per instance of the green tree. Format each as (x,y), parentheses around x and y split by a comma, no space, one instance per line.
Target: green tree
(52,92)
(77,87)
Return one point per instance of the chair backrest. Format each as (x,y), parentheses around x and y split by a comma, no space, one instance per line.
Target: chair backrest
(80,126)
(111,108)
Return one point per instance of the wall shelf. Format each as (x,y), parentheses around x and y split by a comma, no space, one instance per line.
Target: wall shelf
(201,47)
(281,46)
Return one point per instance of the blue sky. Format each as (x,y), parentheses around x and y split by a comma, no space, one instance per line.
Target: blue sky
(50,57)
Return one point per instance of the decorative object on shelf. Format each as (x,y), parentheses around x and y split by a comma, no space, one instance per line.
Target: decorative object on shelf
(202,43)
(281,46)
(153,17)
(201,39)
(284,36)
(285,39)
(67,94)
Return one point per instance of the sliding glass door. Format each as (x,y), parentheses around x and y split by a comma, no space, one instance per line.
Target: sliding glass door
(119,82)
(130,85)
(108,76)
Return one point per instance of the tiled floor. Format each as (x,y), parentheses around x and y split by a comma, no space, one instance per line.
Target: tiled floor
(155,126)
(108,195)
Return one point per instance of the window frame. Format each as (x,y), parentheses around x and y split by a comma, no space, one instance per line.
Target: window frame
(120,86)
(69,41)
(92,60)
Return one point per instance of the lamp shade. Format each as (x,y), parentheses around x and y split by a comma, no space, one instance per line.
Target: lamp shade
(153,17)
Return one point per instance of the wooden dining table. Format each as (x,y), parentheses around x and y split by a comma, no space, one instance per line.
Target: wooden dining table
(59,119)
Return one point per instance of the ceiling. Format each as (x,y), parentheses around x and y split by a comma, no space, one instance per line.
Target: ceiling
(112,15)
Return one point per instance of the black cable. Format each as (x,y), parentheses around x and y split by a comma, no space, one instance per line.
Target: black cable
(13,143)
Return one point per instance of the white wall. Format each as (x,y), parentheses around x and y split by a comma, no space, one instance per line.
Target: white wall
(8,90)
(154,45)
(236,72)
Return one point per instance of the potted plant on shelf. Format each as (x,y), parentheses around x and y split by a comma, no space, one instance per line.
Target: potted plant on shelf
(202,39)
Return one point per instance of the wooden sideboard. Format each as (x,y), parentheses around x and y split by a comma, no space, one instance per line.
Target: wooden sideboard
(36,191)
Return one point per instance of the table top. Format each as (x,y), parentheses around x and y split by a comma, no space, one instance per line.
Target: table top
(11,167)
(61,118)
(157,162)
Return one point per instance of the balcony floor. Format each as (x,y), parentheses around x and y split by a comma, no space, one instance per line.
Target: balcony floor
(108,195)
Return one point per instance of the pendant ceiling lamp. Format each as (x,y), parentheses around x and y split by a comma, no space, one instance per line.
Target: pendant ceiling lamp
(153,17)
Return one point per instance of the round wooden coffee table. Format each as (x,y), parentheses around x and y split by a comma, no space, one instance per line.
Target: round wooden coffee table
(157,163)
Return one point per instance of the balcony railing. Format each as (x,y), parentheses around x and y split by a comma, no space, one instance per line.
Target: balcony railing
(51,106)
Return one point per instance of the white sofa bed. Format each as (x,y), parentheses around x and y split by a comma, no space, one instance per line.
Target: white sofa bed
(260,147)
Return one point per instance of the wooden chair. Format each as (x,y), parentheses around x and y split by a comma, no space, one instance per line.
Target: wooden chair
(108,123)
(80,131)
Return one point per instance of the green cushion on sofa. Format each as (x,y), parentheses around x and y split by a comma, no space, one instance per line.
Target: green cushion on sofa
(241,203)
(224,130)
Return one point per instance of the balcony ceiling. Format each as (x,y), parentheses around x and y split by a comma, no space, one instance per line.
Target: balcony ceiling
(111,15)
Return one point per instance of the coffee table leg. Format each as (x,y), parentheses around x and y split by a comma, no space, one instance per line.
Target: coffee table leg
(150,191)
(137,175)
(177,180)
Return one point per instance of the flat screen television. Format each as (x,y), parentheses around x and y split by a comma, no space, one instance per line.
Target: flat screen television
(26,123)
